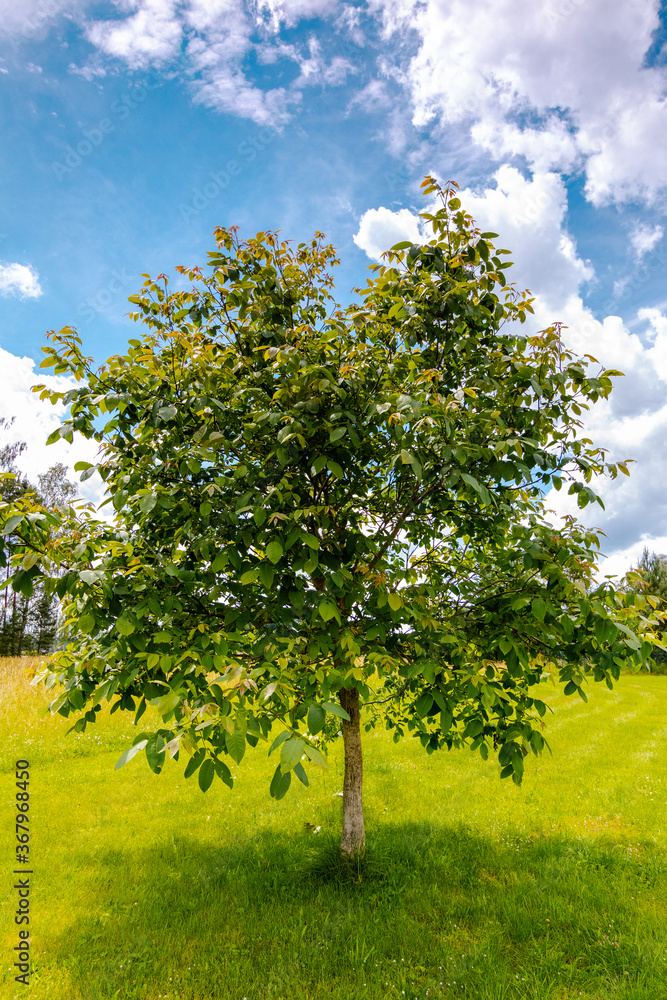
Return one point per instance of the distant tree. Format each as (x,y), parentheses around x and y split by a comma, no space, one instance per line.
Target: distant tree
(29,622)
(55,488)
(323,512)
(13,484)
(649,577)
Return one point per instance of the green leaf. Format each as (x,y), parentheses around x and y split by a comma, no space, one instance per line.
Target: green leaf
(337,434)
(124,626)
(474,728)
(280,738)
(477,486)
(318,464)
(167,412)
(129,754)
(424,704)
(334,468)
(407,458)
(301,774)
(206,773)
(539,608)
(290,753)
(249,577)
(235,743)
(87,622)
(88,576)
(223,772)
(194,763)
(316,719)
(153,754)
(446,720)
(335,709)
(168,702)
(395,601)
(310,540)
(280,783)
(12,523)
(537,742)
(327,610)
(147,503)
(317,758)
(274,551)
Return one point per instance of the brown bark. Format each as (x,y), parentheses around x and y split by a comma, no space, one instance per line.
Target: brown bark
(353,840)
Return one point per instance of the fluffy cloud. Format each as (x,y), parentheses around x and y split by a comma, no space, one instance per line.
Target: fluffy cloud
(20,280)
(557,85)
(644,239)
(36,419)
(530,216)
(565,86)
(32,16)
(210,42)
(149,37)
(380,229)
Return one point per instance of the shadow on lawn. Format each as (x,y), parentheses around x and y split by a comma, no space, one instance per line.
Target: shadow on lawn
(276,916)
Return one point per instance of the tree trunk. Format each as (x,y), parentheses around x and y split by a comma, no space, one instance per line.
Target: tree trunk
(353,841)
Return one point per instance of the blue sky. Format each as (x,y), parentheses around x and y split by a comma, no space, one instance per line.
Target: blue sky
(132,128)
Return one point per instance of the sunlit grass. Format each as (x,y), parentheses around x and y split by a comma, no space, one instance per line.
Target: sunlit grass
(145,888)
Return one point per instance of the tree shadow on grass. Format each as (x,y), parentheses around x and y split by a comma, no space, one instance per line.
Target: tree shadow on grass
(276,916)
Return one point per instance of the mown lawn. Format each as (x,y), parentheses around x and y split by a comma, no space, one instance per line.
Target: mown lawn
(146,888)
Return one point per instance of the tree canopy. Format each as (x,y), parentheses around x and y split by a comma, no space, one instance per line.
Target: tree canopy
(323,515)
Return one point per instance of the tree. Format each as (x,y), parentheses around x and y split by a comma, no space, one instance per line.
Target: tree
(29,622)
(321,512)
(650,577)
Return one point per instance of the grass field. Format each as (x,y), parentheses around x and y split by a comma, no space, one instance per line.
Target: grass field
(145,888)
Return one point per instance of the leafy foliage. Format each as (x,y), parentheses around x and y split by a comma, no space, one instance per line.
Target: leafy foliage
(649,577)
(28,621)
(309,499)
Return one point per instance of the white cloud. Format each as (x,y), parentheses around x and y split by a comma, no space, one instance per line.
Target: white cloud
(290,12)
(529,214)
(371,98)
(558,85)
(380,229)
(32,16)
(36,419)
(19,279)
(314,69)
(645,238)
(209,41)
(150,37)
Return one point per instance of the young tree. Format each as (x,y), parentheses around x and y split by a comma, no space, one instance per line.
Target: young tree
(323,512)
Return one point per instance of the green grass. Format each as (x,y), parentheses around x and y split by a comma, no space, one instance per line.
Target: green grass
(145,888)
